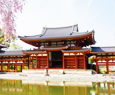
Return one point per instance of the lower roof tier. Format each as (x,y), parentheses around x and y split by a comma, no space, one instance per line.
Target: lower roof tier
(89,51)
(29,52)
(96,50)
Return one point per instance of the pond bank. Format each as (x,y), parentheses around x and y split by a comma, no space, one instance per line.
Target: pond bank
(61,77)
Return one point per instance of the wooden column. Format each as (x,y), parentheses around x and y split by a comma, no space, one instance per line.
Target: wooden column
(32,62)
(36,61)
(76,65)
(47,59)
(1,66)
(29,62)
(63,62)
(107,65)
(16,65)
(84,61)
(96,65)
(8,66)
(23,64)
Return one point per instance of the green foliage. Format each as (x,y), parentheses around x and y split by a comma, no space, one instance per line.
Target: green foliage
(5,68)
(25,67)
(103,71)
(34,63)
(4,39)
(12,67)
(91,60)
(18,68)
(15,46)
(1,36)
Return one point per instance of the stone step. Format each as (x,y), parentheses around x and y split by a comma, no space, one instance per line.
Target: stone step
(59,71)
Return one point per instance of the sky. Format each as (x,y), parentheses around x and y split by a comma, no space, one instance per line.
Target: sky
(97,15)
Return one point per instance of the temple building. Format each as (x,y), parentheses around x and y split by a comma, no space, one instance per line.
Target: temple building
(57,48)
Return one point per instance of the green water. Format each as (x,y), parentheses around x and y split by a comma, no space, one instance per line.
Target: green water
(27,87)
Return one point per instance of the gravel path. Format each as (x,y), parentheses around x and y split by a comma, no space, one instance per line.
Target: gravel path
(54,77)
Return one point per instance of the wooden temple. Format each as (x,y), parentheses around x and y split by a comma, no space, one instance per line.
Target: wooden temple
(57,48)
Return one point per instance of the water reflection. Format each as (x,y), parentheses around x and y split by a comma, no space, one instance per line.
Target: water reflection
(25,87)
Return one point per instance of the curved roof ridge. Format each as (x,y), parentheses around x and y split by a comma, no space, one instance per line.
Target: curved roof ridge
(60,27)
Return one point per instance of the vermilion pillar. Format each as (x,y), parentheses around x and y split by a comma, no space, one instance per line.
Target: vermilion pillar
(76,63)
(84,61)
(96,65)
(32,62)
(23,64)
(36,61)
(63,62)
(47,59)
(107,66)
(8,66)
(1,66)
(16,66)
(29,62)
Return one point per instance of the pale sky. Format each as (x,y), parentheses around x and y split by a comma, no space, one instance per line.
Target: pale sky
(97,15)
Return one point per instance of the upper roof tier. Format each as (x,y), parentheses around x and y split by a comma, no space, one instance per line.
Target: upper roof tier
(60,33)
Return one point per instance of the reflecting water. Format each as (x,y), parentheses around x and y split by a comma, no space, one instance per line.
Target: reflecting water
(25,87)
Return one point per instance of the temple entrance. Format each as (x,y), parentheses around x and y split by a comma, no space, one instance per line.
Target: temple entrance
(55,59)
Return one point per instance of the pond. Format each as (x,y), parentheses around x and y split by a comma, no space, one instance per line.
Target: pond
(30,87)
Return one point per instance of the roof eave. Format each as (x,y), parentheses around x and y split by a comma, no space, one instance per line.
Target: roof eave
(13,55)
(37,52)
(74,51)
(59,38)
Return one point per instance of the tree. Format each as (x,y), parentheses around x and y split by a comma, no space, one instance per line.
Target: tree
(91,60)
(8,40)
(15,46)
(8,10)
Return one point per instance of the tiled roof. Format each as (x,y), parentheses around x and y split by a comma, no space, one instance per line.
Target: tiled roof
(13,53)
(70,31)
(103,49)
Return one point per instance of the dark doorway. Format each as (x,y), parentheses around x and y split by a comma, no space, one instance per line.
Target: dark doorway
(55,59)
